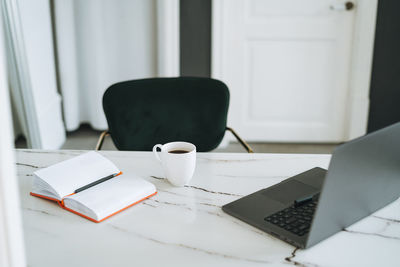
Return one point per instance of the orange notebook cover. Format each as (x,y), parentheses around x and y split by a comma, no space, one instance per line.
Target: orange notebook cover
(84,216)
(91,186)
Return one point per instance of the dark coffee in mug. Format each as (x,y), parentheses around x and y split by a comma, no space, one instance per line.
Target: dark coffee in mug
(178,151)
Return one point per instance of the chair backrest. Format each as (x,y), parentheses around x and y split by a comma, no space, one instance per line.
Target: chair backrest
(142,113)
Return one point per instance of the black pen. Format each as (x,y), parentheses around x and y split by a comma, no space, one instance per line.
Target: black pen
(95,183)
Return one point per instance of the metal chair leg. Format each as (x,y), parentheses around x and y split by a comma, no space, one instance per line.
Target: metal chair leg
(101,140)
(241,141)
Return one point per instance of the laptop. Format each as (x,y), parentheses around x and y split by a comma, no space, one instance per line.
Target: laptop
(363,176)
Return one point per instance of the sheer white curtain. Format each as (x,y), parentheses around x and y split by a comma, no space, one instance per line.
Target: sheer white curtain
(97,43)
(101,42)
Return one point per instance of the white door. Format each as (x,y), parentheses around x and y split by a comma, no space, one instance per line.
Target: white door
(287,65)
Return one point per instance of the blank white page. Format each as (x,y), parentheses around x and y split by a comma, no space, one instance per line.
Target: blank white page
(67,176)
(112,195)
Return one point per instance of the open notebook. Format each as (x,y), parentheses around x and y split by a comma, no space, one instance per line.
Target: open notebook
(96,203)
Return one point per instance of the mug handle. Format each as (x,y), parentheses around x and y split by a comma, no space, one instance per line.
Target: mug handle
(156,152)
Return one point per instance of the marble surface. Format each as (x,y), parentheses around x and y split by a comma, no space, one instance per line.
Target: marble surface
(186,226)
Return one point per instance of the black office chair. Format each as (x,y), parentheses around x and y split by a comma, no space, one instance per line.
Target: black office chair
(142,113)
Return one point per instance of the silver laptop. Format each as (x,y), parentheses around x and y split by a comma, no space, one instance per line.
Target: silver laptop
(363,176)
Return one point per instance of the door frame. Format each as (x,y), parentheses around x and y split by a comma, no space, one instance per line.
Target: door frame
(360,68)
(168,38)
(18,69)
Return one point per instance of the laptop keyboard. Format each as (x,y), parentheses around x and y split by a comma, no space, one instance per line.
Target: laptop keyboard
(295,219)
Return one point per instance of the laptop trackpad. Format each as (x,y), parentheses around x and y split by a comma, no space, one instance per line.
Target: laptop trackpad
(289,191)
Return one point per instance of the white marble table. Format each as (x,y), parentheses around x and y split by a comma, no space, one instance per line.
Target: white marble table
(186,226)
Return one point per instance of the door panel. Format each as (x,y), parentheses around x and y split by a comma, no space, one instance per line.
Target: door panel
(287,65)
(288,58)
(286,7)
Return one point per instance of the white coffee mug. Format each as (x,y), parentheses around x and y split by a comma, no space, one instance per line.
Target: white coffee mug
(178,160)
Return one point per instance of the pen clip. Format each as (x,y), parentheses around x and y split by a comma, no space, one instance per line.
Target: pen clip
(101,180)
